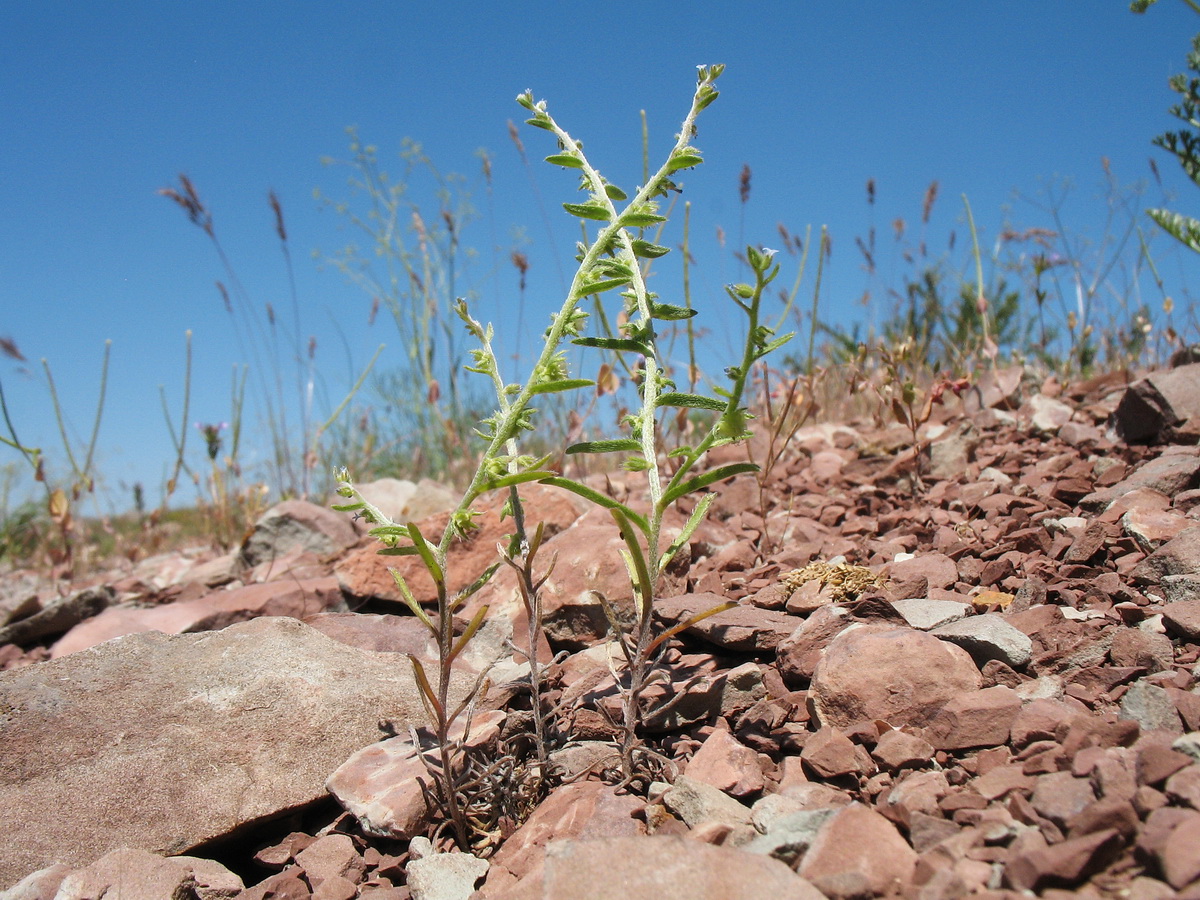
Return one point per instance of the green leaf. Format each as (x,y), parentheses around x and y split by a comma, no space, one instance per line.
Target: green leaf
(637,559)
(566,384)
(568,160)
(647,250)
(639,219)
(689,529)
(468,633)
(702,481)
(593,211)
(544,124)
(411,602)
(621,345)
(598,498)
(614,193)
(610,446)
(389,531)
(519,478)
(686,158)
(775,344)
(668,313)
(397,551)
(340,507)
(690,401)
(1182,228)
(426,554)
(432,705)
(599,287)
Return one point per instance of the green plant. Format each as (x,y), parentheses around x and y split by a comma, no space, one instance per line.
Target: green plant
(611,260)
(61,495)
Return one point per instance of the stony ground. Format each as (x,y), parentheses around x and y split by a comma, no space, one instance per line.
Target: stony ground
(982,686)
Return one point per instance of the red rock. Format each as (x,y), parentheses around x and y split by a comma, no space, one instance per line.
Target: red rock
(1118,815)
(799,653)
(582,809)
(1184,786)
(974,719)
(211,612)
(727,765)
(830,754)
(1160,401)
(1183,618)
(1135,648)
(298,524)
(1002,780)
(657,868)
(1065,864)
(1156,761)
(1060,796)
(140,874)
(1040,720)
(936,569)
(1180,855)
(897,750)
(286,885)
(897,675)
(918,792)
(331,856)
(858,853)
(745,629)
(1178,556)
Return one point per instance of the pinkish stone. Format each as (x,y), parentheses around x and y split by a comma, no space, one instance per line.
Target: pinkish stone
(830,754)
(898,675)
(211,612)
(975,719)
(727,764)
(858,853)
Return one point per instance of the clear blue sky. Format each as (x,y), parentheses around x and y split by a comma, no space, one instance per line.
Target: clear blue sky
(102,104)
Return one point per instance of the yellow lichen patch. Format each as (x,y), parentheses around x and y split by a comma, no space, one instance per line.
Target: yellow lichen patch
(847,581)
(987,599)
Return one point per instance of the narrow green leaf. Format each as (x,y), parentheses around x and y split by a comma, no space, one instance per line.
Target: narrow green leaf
(389,531)
(426,554)
(702,481)
(614,192)
(566,384)
(599,287)
(340,507)
(776,344)
(640,220)
(593,211)
(689,528)
(397,551)
(615,445)
(411,602)
(540,123)
(519,478)
(465,593)
(469,633)
(637,557)
(668,313)
(691,401)
(568,160)
(594,496)
(684,159)
(621,345)
(647,250)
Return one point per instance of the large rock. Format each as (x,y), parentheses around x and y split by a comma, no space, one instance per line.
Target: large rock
(658,868)
(162,743)
(898,675)
(297,525)
(1156,403)
(211,612)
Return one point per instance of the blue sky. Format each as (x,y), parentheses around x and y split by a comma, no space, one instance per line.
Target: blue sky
(102,104)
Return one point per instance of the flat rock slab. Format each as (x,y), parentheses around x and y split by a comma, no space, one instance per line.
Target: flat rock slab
(162,742)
